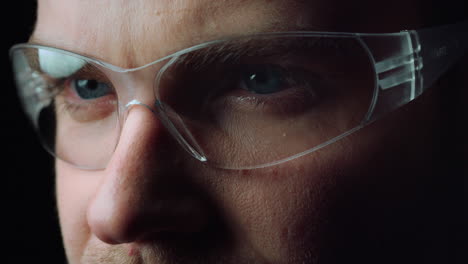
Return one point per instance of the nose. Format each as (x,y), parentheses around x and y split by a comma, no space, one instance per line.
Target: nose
(144,190)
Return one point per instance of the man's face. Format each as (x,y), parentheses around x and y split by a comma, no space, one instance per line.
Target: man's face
(352,199)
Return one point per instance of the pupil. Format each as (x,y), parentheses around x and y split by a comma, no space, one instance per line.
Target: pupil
(87,84)
(91,89)
(264,80)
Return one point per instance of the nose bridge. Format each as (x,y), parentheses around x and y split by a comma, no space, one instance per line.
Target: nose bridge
(119,211)
(136,88)
(174,125)
(132,85)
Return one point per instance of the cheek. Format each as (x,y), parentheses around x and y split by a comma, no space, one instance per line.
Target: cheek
(278,218)
(279,212)
(296,211)
(75,190)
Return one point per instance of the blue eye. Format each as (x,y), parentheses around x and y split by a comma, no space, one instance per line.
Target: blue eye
(91,89)
(263,79)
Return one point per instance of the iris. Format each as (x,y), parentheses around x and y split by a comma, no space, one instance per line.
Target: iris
(264,79)
(90,89)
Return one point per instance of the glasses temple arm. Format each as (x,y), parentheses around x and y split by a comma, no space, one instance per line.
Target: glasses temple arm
(441,47)
(419,59)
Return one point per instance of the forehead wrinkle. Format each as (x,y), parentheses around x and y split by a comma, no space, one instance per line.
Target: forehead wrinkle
(162,28)
(209,22)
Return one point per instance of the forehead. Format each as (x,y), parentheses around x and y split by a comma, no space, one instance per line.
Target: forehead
(133,33)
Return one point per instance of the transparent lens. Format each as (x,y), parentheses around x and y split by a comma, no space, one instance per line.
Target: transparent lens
(254,101)
(239,103)
(72,104)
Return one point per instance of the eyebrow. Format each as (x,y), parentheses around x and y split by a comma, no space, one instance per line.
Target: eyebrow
(234,49)
(261,45)
(231,50)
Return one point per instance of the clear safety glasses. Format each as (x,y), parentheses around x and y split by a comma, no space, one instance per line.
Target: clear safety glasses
(238,103)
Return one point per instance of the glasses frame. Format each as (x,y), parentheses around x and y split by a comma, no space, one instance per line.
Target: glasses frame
(418,59)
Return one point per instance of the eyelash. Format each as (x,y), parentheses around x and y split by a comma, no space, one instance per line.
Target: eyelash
(231,96)
(67,101)
(290,100)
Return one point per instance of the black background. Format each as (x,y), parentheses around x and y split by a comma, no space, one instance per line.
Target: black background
(29,214)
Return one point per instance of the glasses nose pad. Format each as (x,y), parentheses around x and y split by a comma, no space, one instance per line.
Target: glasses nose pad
(176,127)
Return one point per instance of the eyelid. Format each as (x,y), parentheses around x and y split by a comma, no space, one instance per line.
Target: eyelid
(245,51)
(90,72)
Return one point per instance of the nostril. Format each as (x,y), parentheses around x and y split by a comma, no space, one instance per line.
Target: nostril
(135,221)
(108,219)
(100,224)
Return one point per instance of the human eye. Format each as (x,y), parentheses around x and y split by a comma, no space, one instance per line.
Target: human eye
(272,88)
(86,96)
(263,79)
(81,91)
(276,87)
(88,89)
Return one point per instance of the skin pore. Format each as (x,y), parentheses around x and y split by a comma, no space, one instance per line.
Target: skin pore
(364,197)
